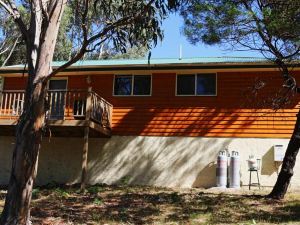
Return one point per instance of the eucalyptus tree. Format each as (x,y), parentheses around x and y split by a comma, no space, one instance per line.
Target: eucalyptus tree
(13,48)
(121,23)
(10,38)
(270,27)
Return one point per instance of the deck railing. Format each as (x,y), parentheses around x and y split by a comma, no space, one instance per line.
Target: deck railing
(11,103)
(61,105)
(101,110)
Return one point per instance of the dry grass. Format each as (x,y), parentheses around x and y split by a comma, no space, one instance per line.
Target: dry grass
(146,205)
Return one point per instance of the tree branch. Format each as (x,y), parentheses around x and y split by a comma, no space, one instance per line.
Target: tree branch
(5,50)
(96,45)
(84,21)
(77,57)
(44,11)
(7,8)
(87,41)
(279,57)
(14,12)
(11,51)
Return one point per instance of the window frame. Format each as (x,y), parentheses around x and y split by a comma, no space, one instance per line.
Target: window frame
(59,78)
(195,90)
(132,85)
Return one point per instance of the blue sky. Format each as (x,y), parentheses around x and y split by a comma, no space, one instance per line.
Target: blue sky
(169,47)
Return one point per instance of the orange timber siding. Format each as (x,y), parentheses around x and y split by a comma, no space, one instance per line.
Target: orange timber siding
(14,83)
(164,114)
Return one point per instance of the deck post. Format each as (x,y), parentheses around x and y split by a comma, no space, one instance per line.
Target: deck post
(84,158)
(86,140)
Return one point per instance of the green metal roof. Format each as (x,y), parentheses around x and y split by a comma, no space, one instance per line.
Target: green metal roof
(156,64)
(158,61)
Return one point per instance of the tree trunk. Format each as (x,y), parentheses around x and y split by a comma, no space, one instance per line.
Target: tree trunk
(42,35)
(25,157)
(286,172)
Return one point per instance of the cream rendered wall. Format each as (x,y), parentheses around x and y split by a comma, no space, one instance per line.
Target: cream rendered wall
(160,161)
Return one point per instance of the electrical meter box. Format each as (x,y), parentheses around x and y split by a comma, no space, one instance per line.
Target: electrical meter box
(279,152)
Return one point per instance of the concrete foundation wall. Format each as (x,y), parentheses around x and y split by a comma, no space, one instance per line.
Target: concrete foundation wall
(160,161)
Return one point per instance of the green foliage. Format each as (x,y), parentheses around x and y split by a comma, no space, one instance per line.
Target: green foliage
(260,25)
(144,32)
(96,217)
(131,40)
(35,193)
(132,53)
(98,201)
(60,192)
(94,189)
(63,46)
(9,34)
(108,52)
(124,181)
(175,197)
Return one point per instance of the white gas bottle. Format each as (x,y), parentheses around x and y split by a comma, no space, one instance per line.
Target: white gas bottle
(221,171)
(234,170)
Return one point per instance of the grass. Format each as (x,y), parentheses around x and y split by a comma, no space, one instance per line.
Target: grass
(149,205)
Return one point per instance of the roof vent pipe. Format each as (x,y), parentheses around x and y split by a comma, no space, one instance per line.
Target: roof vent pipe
(180,52)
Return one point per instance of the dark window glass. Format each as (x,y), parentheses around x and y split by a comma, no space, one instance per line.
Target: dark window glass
(142,85)
(206,84)
(123,85)
(57,84)
(185,84)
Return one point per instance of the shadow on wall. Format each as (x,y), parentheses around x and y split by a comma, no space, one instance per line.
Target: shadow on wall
(164,161)
(206,178)
(60,161)
(6,150)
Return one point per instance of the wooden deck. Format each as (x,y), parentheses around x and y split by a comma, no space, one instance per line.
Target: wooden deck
(70,112)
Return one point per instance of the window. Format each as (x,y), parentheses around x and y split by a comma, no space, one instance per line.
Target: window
(58,84)
(126,85)
(57,94)
(206,84)
(123,85)
(197,84)
(185,84)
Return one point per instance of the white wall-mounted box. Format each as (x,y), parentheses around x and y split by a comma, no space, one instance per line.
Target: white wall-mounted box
(279,152)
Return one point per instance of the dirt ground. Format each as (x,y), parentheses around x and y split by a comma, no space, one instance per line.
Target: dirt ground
(149,205)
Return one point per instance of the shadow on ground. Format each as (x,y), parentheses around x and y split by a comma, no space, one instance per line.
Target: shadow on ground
(145,205)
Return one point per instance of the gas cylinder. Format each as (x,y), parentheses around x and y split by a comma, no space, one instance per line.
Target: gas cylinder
(221,171)
(234,170)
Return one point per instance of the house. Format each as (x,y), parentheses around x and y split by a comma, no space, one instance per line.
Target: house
(159,123)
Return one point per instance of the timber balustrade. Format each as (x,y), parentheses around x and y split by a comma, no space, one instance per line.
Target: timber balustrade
(61,105)
(11,103)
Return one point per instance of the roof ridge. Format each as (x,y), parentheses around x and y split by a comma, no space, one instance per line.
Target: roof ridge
(157,61)
(175,58)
